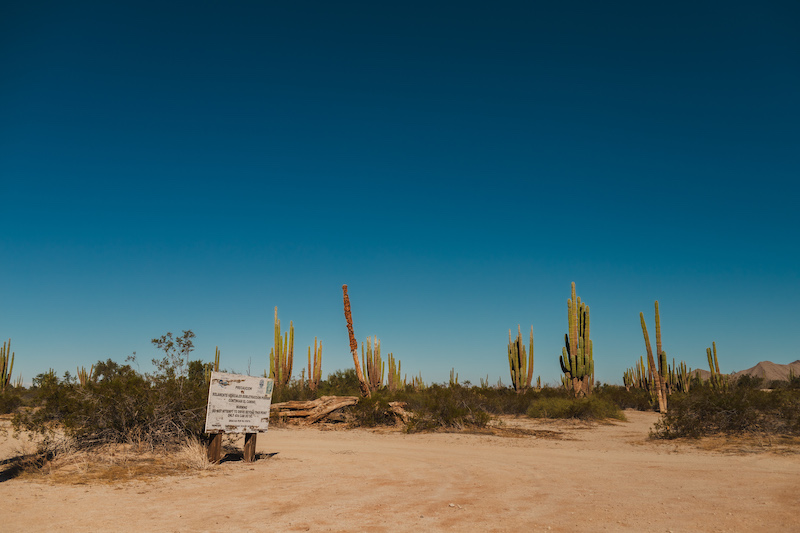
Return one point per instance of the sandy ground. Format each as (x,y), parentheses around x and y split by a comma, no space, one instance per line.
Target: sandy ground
(606,477)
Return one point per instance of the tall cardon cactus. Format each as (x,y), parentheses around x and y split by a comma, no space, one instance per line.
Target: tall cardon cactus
(520,364)
(576,359)
(373,363)
(315,366)
(717,380)
(394,378)
(659,374)
(282,353)
(6,364)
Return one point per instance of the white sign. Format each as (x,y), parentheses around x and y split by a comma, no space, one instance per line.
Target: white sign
(238,404)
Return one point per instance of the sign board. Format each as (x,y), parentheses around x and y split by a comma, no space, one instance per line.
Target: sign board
(238,404)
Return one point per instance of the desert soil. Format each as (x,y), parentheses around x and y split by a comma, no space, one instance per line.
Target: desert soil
(567,476)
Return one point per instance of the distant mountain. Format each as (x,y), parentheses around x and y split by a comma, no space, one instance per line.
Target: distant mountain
(765,369)
(771,371)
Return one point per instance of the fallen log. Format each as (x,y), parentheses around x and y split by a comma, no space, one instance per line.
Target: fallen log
(321,408)
(313,410)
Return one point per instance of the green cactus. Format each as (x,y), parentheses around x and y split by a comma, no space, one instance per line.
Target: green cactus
(566,382)
(453,377)
(6,364)
(282,353)
(520,364)
(576,359)
(85,377)
(394,377)
(658,375)
(417,383)
(373,364)
(209,367)
(629,379)
(717,380)
(315,367)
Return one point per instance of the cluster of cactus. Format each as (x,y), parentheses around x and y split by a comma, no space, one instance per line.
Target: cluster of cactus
(348,316)
(417,383)
(658,374)
(85,377)
(453,377)
(394,379)
(520,363)
(678,378)
(209,367)
(636,377)
(315,366)
(576,359)
(717,380)
(280,356)
(373,363)
(640,377)
(6,365)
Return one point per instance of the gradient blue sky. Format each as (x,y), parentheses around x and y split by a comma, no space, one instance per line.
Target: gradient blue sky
(173,166)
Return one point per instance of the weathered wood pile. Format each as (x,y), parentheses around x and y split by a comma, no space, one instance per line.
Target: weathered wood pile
(326,408)
(312,410)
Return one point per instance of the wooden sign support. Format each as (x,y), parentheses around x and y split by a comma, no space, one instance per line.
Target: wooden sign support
(250,447)
(215,449)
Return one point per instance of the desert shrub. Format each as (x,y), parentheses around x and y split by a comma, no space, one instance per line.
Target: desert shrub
(294,390)
(120,406)
(373,411)
(741,410)
(440,406)
(638,399)
(341,383)
(11,399)
(746,381)
(590,408)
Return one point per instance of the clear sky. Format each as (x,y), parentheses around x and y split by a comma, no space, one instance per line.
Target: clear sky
(168,166)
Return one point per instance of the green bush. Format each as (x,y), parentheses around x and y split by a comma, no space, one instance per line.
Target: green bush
(374,411)
(341,383)
(121,405)
(744,409)
(10,400)
(639,399)
(591,408)
(453,407)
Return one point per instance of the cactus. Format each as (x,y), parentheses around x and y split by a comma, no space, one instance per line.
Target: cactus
(209,367)
(315,367)
(566,382)
(6,364)
(682,379)
(576,359)
(280,356)
(453,377)
(629,379)
(520,365)
(353,344)
(85,377)
(373,363)
(717,380)
(417,383)
(393,378)
(658,375)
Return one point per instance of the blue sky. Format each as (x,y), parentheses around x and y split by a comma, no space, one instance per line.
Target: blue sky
(457,164)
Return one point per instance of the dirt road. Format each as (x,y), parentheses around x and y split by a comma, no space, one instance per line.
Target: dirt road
(575,478)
